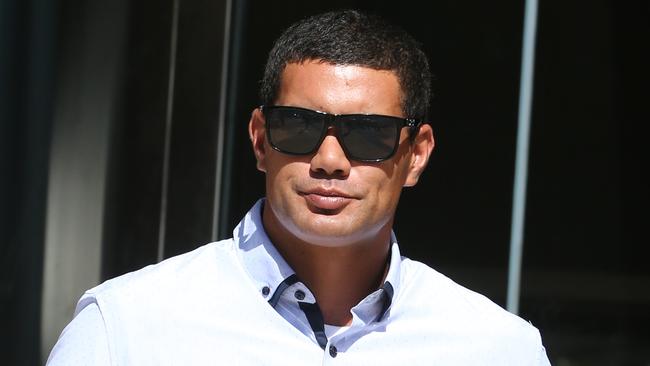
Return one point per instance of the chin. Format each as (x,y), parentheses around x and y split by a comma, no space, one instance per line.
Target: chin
(327,241)
(330,232)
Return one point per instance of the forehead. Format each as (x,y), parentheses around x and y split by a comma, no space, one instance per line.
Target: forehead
(340,89)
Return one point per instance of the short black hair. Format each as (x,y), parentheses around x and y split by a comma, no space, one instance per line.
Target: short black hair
(350,37)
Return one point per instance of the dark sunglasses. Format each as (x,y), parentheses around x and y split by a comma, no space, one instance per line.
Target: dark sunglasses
(363,137)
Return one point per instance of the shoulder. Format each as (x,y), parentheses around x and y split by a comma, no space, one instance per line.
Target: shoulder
(170,305)
(169,278)
(458,309)
(427,284)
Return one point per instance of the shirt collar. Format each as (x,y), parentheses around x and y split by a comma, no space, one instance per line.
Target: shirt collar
(260,258)
(268,269)
(377,305)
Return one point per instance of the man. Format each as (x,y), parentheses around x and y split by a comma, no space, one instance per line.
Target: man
(313,273)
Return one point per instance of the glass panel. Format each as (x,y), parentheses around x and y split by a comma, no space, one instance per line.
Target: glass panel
(586,281)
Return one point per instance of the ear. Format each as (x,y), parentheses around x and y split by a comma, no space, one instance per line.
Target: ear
(257,134)
(420,151)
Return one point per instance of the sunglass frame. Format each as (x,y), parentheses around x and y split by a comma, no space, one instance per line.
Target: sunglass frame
(335,121)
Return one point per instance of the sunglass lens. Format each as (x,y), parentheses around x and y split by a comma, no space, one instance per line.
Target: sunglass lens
(371,138)
(294,131)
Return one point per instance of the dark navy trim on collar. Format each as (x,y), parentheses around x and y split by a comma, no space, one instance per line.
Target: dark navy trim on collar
(281,288)
(316,322)
(388,298)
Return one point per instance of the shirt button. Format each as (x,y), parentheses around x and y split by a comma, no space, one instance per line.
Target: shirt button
(333,351)
(299,294)
(266,290)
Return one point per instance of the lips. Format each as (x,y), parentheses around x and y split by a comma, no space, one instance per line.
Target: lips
(326,200)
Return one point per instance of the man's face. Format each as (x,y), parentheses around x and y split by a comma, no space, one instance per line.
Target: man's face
(324,198)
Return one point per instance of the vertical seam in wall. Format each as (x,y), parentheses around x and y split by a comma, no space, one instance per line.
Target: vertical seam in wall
(216,204)
(521,158)
(162,224)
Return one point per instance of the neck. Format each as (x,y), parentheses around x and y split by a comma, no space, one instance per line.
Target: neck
(339,277)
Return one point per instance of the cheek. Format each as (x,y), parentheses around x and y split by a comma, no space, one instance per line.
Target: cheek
(282,174)
(385,188)
(395,183)
(276,178)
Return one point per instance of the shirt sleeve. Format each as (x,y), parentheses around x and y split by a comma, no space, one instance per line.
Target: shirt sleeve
(83,341)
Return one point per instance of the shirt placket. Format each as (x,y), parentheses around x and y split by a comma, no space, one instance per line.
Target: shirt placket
(299,300)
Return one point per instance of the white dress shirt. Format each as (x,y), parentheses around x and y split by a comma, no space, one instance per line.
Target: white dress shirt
(237,302)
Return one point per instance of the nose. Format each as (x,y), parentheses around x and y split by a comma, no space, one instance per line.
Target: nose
(330,159)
